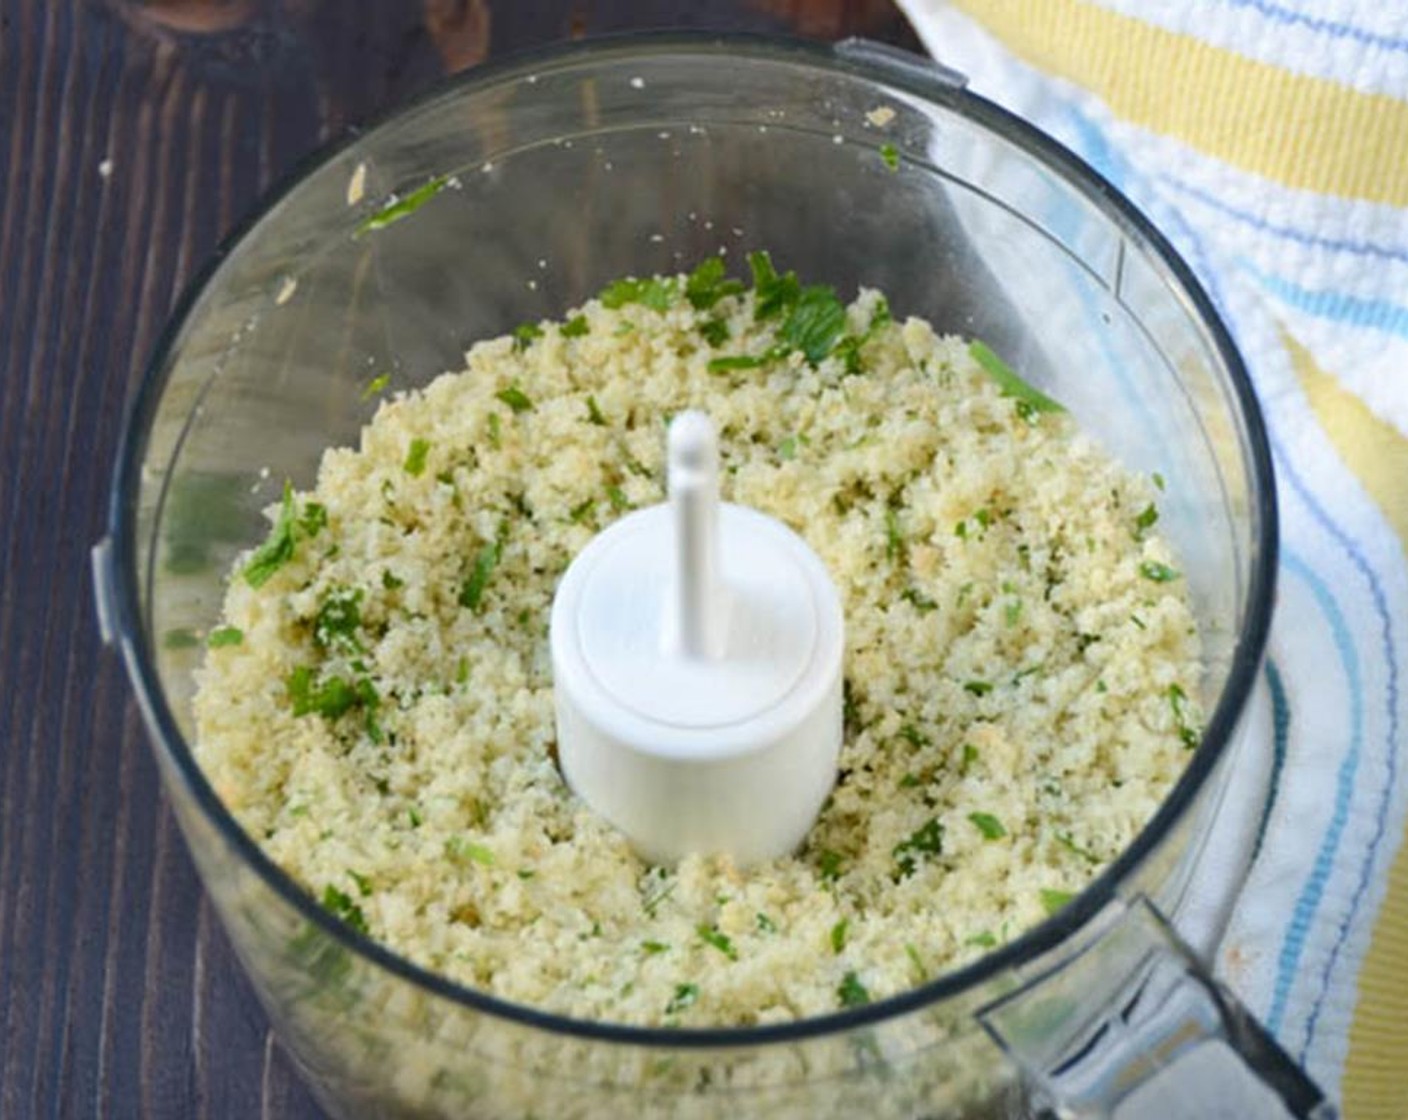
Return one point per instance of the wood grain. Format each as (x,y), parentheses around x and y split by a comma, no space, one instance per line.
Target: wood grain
(132,136)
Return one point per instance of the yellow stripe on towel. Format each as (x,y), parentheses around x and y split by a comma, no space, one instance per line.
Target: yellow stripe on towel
(1307,133)
(1375,1082)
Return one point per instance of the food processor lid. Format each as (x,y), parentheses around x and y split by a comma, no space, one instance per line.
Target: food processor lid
(121,597)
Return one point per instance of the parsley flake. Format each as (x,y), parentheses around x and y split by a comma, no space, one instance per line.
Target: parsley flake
(575,327)
(416,456)
(851,992)
(712,935)
(376,385)
(815,322)
(685,996)
(515,398)
(654,292)
(1053,900)
(891,155)
(988,825)
(472,593)
(708,284)
(340,905)
(402,208)
(838,935)
(1158,573)
(926,840)
(1009,384)
(225,636)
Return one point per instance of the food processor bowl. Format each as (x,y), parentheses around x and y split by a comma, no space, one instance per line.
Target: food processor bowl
(539,181)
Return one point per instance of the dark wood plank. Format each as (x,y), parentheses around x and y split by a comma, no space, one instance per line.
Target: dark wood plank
(133,135)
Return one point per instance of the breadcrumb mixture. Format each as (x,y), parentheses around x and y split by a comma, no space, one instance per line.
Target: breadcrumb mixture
(1021,660)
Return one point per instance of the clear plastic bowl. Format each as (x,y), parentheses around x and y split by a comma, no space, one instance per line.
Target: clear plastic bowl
(574,167)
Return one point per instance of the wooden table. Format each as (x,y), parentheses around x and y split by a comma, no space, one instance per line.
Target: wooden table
(132,136)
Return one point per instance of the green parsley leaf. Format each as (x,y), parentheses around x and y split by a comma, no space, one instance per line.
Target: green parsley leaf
(225,636)
(1178,700)
(581,511)
(1053,900)
(916,598)
(685,996)
(787,449)
(851,992)
(462,671)
(364,885)
(330,698)
(711,935)
(390,580)
(495,431)
(653,947)
(737,361)
(1146,520)
(525,873)
(815,322)
(1067,841)
(340,905)
(913,736)
(1009,384)
(988,825)
(894,538)
(594,414)
(472,593)
(461,849)
(926,840)
(575,327)
(617,497)
(766,924)
(891,155)
(707,284)
(829,865)
(983,938)
(714,332)
(376,385)
(394,211)
(921,972)
(970,756)
(278,550)
(314,519)
(773,293)
(415,457)
(654,292)
(338,619)
(977,688)
(515,398)
(525,334)
(1158,481)
(1159,573)
(838,935)
(413,816)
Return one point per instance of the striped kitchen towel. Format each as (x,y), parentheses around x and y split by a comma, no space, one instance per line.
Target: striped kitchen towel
(1269,140)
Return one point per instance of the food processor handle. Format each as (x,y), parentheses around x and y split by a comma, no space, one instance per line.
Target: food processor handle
(1133,1026)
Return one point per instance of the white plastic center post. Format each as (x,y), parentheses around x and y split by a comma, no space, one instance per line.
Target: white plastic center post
(696,651)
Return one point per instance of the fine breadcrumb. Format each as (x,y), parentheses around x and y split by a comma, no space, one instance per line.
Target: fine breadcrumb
(1021,664)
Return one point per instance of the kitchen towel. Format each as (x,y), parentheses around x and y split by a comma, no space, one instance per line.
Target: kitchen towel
(1269,140)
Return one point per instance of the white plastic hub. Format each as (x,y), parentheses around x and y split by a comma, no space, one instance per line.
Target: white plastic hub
(696,651)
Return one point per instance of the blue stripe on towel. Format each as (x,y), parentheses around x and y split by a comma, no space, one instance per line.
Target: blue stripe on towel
(1313,890)
(1338,307)
(1278,14)
(1288,233)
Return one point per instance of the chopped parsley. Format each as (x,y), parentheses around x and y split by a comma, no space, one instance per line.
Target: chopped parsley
(575,327)
(617,497)
(921,971)
(376,385)
(415,457)
(894,538)
(1159,573)
(891,155)
(988,825)
(1053,900)
(913,736)
(472,593)
(970,756)
(1146,520)
(917,599)
(851,992)
(278,549)
(225,636)
(1177,701)
(838,935)
(402,208)
(526,334)
(685,996)
(977,688)
(390,580)
(458,848)
(765,923)
(712,935)
(983,939)
(1158,480)
(655,293)
(650,948)
(330,698)
(581,511)
(787,449)
(495,431)
(413,816)
(926,840)
(340,905)
(1067,841)
(737,361)
(338,619)
(515,398)
(708,284)
(773,293)
(714,332)
(829,865)
(815,322)
(364,885)
(594,415)
(1029,399)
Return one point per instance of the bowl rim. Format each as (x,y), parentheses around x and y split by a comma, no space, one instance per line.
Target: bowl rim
(912,74)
